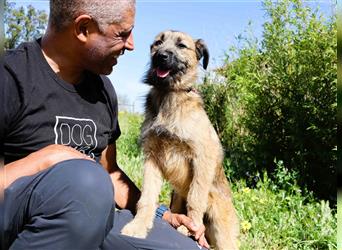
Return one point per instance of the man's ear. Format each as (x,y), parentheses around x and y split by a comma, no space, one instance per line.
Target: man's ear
(202,51)
(82,26)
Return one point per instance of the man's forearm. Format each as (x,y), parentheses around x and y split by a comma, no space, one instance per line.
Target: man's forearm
(38,161)
(23,167)
(126,193)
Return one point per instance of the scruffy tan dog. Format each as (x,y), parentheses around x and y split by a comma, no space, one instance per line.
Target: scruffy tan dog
(181,145)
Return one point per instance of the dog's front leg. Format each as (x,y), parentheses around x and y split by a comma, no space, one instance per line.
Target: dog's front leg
(203,176)
(143,221)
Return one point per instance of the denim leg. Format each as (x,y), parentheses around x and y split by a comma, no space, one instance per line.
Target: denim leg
(161,237)
(68,206)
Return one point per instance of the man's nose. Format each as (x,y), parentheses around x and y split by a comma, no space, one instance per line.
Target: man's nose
(129,43)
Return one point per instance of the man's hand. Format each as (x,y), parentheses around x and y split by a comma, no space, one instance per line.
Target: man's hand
(38,161)
(197,231)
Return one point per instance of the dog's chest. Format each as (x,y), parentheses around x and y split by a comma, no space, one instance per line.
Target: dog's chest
(174,156)
(166,135)
(176,159)
(171,114)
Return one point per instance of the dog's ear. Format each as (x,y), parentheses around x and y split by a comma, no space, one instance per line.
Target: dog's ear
(202,51)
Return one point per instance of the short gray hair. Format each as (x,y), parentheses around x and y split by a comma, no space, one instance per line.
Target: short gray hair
(104,12)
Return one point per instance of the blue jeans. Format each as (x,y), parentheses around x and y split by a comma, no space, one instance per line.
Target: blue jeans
(70,206)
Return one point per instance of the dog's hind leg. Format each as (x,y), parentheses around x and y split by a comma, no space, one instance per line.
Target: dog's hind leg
(178,204)
(223,228)
(143,221)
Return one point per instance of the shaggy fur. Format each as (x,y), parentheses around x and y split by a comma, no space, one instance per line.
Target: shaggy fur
(181,145)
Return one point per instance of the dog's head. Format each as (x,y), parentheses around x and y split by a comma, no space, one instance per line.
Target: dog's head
(174,59)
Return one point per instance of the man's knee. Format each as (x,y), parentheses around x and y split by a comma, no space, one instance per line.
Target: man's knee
(71,200)
(79,191)
(84,179)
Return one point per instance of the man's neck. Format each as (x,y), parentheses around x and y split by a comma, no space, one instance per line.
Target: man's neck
(60,55)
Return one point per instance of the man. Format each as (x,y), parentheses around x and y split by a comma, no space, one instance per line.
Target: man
(59,128)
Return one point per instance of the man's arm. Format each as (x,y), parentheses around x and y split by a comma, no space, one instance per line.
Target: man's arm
(126,192)
(38,161)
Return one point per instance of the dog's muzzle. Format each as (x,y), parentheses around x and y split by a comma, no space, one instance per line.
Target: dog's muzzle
(163,63)
(163,59)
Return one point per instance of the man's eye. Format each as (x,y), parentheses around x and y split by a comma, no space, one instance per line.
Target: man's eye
(181,46)
(157,43)
(125,34)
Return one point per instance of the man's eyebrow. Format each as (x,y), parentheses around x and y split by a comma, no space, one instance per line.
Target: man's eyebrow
(129,29)
(126,32)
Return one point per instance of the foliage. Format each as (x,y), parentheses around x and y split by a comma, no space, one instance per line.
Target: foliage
(273,215)
(339,219)
(339,96)
(278,98)
(130,130)
(282,220)
(22,24)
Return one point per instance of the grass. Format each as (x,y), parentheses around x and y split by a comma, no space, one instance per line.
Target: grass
(279,220)
(271,216)
(339,219)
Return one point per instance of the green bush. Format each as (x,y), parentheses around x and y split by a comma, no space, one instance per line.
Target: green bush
(130,131)
(278,98)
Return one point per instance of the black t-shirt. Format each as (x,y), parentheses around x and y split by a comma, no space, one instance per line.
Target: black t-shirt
(41,109)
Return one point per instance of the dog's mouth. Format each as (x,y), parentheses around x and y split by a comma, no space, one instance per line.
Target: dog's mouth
(164,65)
(165,70)
(162,73)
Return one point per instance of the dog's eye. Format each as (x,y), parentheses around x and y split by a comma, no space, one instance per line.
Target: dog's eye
(157,43)
(181,46)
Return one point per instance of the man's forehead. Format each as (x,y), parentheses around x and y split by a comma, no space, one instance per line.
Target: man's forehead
(126,25)
(127,18)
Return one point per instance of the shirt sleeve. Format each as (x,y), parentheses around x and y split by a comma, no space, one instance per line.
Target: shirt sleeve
(11,99)
(116,134)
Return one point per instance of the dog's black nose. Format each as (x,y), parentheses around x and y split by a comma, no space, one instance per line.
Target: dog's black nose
(163,59)
(164,56)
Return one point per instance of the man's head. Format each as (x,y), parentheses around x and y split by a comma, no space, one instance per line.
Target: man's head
(104,12)
(101,30)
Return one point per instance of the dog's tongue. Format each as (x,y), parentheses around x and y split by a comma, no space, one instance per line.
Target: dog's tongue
(162,73)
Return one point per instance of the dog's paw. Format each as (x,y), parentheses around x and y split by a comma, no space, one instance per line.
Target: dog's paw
(135,229)
(183,230)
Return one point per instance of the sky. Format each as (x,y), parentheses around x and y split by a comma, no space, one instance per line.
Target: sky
(217,22)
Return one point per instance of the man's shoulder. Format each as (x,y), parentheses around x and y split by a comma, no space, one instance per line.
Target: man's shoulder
(20,51)
(18,57)
(20,68)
